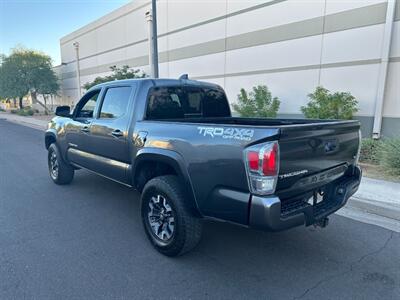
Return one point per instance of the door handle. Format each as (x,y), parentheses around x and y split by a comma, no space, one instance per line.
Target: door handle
(117,133)
(85,129)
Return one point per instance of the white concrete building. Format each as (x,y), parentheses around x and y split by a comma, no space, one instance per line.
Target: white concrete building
(290,45)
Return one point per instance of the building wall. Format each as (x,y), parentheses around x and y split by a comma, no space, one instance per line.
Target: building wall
(290,45)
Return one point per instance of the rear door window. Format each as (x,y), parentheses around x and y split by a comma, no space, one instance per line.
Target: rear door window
(115,102)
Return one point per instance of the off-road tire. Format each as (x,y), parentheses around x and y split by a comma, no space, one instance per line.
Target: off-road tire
(188,228)
(65,172)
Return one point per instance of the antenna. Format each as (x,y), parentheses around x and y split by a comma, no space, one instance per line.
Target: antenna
(184,77)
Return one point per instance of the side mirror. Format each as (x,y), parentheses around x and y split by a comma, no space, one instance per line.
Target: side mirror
(63,111)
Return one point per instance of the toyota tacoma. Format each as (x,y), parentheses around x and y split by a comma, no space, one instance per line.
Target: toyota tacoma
(176,142)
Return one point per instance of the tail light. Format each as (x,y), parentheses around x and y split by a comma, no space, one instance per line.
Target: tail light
(262,166)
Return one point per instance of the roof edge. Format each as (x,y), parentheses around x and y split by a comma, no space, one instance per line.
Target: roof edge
(111,16)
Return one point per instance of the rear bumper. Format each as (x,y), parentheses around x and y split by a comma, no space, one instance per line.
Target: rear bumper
(268,213)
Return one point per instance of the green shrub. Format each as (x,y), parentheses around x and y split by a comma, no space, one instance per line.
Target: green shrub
(20,112)
(370,150)
(25,112)
(29,112)
(1,109)
(257,103)
(390,156)
(326,105)
(13,111)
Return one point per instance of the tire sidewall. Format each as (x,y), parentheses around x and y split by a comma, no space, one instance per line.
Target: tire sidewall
(158,187)
(53,149)
(65,172)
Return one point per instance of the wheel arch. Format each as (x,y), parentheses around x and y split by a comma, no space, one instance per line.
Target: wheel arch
(49,138)
(150,163)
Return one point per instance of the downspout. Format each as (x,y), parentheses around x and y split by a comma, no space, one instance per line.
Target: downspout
(380,94)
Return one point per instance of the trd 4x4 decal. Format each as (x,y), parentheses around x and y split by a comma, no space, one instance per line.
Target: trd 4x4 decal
(227,133)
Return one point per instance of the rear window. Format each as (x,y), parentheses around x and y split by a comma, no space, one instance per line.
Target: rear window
(186,102)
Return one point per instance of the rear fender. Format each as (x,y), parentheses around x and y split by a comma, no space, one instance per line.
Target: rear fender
(176,162)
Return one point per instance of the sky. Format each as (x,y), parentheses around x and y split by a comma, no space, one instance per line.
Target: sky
(39,24)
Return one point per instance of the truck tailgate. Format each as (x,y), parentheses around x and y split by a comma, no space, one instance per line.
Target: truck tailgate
(312,155)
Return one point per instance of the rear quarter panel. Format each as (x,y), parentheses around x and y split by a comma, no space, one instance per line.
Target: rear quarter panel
(213,156)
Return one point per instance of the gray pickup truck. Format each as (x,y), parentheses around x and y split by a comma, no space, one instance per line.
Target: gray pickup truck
(176,142)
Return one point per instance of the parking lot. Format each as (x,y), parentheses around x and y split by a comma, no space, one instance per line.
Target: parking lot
(86,240)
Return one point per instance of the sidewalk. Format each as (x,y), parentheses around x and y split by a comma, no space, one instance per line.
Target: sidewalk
(39,122)
(377,201)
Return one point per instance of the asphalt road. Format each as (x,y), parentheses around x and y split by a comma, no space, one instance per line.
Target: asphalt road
(86,241)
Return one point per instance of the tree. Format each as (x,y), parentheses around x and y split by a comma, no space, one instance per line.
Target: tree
(27,71)
(326,105)
(48,88)
(124,72)
(258,103)
(10,80)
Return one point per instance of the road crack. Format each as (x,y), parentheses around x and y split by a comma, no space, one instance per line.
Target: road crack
(351,268)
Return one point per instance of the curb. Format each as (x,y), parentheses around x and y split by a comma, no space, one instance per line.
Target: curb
(365,217)
(379,208)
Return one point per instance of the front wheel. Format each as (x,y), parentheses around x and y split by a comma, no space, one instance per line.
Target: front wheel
(169,225)
(60,171)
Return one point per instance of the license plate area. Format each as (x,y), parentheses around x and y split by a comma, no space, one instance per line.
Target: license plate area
(317,197)
(311,205)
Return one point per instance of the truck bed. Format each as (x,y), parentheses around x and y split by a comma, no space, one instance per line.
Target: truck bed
(263,122)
